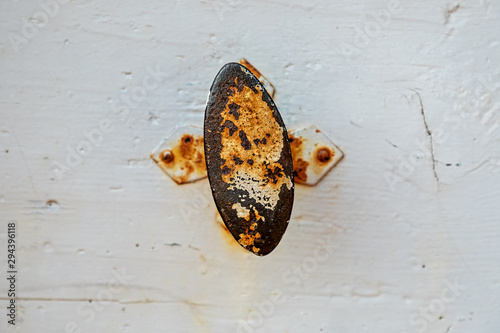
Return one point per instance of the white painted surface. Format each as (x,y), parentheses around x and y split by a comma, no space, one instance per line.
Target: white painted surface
(395,248)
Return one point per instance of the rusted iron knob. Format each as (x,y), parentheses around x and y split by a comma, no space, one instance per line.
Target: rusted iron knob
(167,156)
(324,155)
(248,158)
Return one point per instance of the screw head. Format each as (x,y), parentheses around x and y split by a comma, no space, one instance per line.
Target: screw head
(167,156)
(324,155)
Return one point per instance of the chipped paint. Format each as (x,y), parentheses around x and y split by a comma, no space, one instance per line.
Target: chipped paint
(242,212)
(249,159)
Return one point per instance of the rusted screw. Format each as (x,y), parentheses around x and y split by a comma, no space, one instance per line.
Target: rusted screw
(167,156)
(324,155)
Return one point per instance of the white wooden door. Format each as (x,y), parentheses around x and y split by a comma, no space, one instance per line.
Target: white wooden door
(401,236)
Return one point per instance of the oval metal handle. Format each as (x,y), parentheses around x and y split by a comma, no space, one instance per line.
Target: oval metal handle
(248,158)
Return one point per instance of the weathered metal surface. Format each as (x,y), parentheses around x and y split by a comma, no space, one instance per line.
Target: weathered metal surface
(181,155)
(314,154)
(248,159)
(265,82)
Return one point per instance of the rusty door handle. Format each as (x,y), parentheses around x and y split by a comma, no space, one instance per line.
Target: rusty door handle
(248,158)
(251,160)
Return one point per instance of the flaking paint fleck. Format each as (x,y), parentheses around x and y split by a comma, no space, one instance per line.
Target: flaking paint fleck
(242,212)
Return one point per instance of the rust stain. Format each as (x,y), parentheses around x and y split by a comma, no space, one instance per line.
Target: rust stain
(303,164)
(185,159)
(248,239)
(226,234)
(257,216)
(299,164)
(300,170)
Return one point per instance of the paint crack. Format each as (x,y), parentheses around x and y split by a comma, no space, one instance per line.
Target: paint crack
(429,133)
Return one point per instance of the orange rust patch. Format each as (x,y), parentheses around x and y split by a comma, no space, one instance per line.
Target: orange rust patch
(186,145)
(252,134)
(248,240)
(300,170)
(299,165)
(257,216)
(185,159)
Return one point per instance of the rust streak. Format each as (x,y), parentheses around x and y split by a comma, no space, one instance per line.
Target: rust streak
(299,164)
